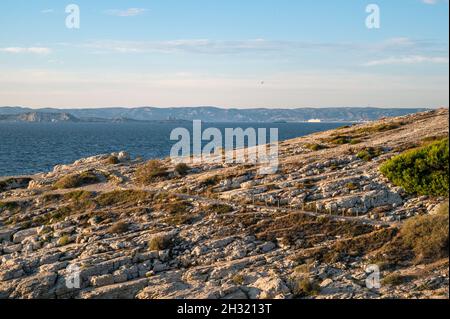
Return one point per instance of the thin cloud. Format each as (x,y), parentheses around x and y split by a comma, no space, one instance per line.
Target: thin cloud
(130,12)
(396,46)
(33,50)
(432,2)
(46,11)
(416,59)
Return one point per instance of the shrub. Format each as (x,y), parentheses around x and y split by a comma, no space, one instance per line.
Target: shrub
(427,236)
(8,205)
(370,153)
(64,240)
(118,228)
(238,280)
(150,172)
(306,287)
(210,181)
(351,186)
(340,140)
(77,180)
(13,183)
(315,147)
(160,242)
(182,169)
(113,160)
(423,171)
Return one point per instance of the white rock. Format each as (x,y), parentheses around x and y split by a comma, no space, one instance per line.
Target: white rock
(21,235)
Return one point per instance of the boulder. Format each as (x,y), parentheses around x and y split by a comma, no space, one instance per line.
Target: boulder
(21,235)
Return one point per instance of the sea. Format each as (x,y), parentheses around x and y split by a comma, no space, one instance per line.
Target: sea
(28,148)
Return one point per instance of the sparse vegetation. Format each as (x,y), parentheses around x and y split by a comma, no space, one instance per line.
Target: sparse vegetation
(64,240)
(351,186)
(219,209)
(12,183)
(79,196)
(315,147)
(340,140)
(178,213)
(238,279)
(120,197)
(370,153)
(380,128)
(160,242)
(421,239)
(150,172)
(182,169)
(113,160)
(118,228)
(9,205)
(359,245)
(302,269)
(393,280)
(210,181)
(305,287)
(77,180)
(423,171)
(427,236)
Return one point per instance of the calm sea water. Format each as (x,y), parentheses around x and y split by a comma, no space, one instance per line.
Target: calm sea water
(27,148)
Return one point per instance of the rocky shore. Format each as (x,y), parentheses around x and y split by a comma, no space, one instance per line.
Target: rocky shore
(223,231)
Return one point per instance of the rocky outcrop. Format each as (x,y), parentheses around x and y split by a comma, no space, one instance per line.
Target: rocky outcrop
(222,231)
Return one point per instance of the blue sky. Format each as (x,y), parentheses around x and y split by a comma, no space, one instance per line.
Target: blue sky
(228,53)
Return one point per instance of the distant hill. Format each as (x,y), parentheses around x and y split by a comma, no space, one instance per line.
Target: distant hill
(54,117)
(39,117)
(206,114)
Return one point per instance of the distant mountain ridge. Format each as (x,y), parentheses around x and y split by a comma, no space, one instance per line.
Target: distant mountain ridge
(206,114)
(39,117)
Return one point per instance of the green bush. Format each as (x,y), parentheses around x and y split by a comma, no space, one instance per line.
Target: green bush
(423,171)
(340,140)
(370,153)
(351,186)
(315,147)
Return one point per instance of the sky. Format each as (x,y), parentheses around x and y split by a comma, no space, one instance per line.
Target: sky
(225,53)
